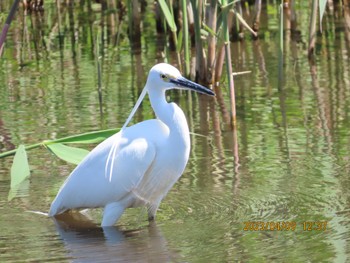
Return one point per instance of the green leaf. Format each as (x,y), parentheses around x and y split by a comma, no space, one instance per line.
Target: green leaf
(168,16)
(204,33)
(244,23)
(209,30)
(86,138)
(322,6)
(20,167)
(179,43)
(226,7)
(20,172)
(69,154)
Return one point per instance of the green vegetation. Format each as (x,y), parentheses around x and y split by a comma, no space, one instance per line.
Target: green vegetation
(200,33)
(287,159)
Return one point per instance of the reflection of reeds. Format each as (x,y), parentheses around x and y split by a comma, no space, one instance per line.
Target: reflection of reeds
(7,24)
(322,106)
(256,19)
(99,73)
(312,29)
(69,39)
(229,64)
(201,24)
(34,5)
(347,23)
(134,24)
(280,50)
(196,21)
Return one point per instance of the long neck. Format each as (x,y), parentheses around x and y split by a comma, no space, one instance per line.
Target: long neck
(170,114)
(160,105)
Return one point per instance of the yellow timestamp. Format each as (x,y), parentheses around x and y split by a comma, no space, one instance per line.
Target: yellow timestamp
(284,226)
(315,225)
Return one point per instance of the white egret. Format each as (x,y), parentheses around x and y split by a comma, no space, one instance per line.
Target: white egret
(138,165)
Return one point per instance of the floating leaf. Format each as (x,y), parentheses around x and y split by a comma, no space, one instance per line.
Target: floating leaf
(20,173)
(69,154)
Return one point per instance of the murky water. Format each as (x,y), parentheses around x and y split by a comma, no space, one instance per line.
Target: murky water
(288,166)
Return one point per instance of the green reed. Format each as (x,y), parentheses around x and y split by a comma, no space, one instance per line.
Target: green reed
(186,43)
(206,26)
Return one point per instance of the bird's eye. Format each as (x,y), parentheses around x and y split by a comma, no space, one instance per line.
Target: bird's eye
(163,76)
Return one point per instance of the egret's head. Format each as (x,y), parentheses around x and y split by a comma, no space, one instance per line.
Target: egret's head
(165,76)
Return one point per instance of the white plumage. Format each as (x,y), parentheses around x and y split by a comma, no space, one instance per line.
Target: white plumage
(138,165)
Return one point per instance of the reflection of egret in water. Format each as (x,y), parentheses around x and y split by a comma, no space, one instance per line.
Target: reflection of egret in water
(87,242)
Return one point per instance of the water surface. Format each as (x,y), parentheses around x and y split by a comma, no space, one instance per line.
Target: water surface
(288,164)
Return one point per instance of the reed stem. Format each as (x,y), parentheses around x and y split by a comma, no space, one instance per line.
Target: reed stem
(186,43)
(228,63)
(7,25)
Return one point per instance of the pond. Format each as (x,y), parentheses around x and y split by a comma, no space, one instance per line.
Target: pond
(275,189)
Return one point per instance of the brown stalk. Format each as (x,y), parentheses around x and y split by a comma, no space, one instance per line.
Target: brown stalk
(212,18)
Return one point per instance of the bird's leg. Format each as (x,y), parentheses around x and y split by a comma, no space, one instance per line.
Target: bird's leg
(152,210)
(112,213)
(151,217)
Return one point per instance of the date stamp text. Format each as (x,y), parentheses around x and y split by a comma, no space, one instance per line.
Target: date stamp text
(285,226)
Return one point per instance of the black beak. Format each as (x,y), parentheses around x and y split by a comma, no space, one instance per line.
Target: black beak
(184,83)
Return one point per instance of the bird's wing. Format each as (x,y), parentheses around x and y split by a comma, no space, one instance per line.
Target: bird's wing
(130,163)
(93,184)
